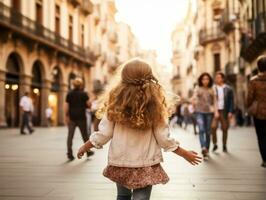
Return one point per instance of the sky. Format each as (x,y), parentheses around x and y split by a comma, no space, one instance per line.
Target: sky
(152,22)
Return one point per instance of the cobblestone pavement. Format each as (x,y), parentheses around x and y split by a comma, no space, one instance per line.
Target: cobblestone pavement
(34,167)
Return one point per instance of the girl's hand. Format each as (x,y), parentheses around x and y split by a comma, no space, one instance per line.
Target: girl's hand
(81,152)
(192,157)
(84,148)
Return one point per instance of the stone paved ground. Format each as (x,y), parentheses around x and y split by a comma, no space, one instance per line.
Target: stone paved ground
(34,167)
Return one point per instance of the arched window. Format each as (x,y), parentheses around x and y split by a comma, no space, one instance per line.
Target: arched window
(37,75)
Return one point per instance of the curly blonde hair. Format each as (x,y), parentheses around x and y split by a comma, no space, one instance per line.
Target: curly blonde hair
(138,100)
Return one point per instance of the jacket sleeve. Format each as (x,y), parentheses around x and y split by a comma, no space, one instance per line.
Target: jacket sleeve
(250,96)
(162,135)
(105,133)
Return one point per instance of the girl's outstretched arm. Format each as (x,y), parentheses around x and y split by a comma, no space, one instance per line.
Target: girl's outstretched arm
(84,148)
(98,138)
(191,156)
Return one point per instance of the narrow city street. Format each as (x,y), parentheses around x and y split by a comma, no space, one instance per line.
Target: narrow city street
(35,167)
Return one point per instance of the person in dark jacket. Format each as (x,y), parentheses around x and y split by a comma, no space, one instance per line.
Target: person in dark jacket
(225,106)
(257,96)
(77,101)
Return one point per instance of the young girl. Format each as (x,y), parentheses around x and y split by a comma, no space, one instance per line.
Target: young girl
(204,100)
(135,121)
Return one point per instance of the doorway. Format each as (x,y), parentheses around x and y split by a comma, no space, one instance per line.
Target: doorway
(12,91)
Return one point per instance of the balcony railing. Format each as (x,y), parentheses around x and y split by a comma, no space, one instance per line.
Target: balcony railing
(210,35)
(258,25)
(75,2)
(97,49)
(255,43)
(85,6)
(113,36)
(28,28)
(227,21)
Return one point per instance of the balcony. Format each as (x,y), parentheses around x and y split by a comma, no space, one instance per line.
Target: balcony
(176,80)
(75,3)
(96,13)
(97,49)
(258,25)
(176,77)
(217,9)
(26,28)
(86,7)
(103,25)
(254,43)
(210,35)
(113,36)
(113,62)
(227,21)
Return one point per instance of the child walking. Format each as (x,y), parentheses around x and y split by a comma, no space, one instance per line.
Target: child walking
(135,121)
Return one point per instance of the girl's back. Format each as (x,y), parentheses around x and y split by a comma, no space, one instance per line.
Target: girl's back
(135,121)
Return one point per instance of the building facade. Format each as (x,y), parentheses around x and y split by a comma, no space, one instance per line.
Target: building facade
(113,41)
(219,38)
(44,46)
(217,29)
(184,42)
(253,40)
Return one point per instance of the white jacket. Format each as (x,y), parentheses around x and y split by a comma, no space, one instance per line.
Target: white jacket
(132,147)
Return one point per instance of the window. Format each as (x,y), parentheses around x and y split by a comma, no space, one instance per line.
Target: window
(82,35)
(70,28)
(217,62)
(57,19)
(39,15)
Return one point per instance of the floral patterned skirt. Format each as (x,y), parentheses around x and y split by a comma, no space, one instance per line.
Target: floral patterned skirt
(133,178)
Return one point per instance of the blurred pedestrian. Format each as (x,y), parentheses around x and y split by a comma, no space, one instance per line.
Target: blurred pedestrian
(192,117)
(239,116)
(89,120)
(179,115)
(136,122)
(204,100)
(225,106)
(26,106)
(256,104)
(97,91)
(77,101)
(49,113)
(95,119)
(185,114)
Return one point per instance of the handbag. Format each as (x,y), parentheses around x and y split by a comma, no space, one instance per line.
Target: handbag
(252,109)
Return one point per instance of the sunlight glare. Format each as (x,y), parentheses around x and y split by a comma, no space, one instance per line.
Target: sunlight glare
(152,21)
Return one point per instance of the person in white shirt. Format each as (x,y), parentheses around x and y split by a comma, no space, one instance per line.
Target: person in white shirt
(27,108)
(49,113)
(225,106)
